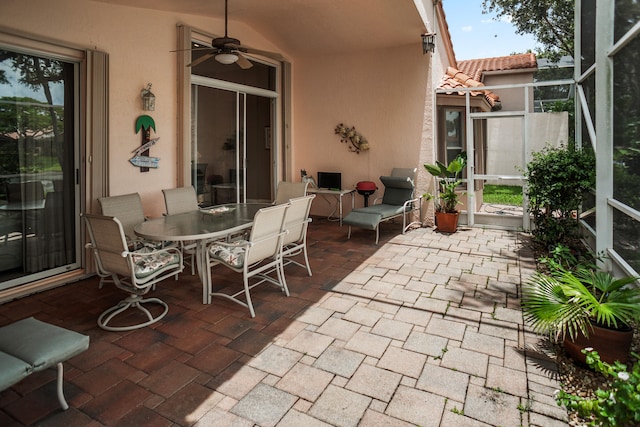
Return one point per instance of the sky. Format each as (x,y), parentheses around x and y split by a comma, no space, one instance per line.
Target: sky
(476,35)
(17,89)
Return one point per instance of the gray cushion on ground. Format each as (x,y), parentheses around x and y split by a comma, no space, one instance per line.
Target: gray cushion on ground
(41,344)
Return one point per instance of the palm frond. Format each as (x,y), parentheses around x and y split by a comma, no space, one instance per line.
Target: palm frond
(567,303)
(548,307)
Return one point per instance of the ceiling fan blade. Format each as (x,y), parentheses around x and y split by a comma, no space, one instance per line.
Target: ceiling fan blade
(265,53)
(202,59)
(192,49)
(243,62)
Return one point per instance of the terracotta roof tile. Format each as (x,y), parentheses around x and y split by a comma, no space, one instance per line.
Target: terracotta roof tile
(454,79)
(475,67)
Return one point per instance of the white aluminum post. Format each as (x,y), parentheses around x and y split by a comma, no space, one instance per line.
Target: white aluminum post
(471,203)
(604,126)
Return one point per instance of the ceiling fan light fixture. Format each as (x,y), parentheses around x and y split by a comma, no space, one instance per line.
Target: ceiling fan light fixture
(226,58)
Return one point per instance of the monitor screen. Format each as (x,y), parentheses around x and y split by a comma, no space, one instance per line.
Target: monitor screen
(330,180)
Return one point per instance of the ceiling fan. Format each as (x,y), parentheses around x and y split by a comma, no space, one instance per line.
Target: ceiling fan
(227,50)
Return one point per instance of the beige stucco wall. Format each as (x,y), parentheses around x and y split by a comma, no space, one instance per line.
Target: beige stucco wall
(381,93)
(511,99)
(385,94)
(139,44)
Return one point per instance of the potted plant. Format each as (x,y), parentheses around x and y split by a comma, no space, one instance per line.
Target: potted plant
(447,199)
(584,308)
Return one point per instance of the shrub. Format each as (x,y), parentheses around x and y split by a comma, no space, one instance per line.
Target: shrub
(558,179)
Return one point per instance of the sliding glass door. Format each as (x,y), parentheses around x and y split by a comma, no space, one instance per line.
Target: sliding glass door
(234,128)
(231,146)
(38,209)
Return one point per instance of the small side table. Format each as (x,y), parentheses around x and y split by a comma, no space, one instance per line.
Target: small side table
(327,193)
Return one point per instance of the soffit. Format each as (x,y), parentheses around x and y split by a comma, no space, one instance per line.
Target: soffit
(303,27)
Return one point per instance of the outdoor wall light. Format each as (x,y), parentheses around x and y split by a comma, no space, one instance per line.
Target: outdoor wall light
(226,58)
(148,99)
(428,42)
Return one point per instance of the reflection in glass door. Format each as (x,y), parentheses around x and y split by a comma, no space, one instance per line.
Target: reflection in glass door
(37,167)
(231,146)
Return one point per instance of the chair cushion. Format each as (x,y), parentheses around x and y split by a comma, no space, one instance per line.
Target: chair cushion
(135,244)
(231,255)
(384,210)
(12,370)
(41,344)
(397,190)
(396,196)
(368,220)
(147,261)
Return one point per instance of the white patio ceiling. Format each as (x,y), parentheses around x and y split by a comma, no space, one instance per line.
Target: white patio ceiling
(304,26)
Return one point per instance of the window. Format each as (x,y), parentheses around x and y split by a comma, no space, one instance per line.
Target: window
(232,116)
(39,152)
(259,75)
(452,140)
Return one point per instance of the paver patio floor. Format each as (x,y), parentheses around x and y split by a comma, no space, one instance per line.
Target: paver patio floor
(423,329)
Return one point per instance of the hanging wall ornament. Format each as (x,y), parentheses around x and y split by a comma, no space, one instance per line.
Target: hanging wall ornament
(354,140)
(141,157)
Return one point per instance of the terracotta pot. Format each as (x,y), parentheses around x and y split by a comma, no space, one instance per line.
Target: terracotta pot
(447,222)
(611,344)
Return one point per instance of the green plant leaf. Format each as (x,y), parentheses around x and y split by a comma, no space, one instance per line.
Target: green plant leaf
(436,170)
(567,302)
(145,122)
(455,166)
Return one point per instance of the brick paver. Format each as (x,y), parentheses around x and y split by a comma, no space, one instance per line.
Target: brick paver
(423,329)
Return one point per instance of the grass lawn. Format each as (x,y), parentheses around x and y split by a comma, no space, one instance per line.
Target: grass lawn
(503,194)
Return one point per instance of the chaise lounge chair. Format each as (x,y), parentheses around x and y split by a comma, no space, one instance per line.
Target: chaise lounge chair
(398,201)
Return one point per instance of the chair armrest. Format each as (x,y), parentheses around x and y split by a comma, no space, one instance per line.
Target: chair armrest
(408,202)
(121,253)
(270,236)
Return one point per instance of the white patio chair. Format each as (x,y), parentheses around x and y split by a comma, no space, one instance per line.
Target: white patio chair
(134,271)
(182,200)
(296,223)
(288,190)
(255,257)
(128,209)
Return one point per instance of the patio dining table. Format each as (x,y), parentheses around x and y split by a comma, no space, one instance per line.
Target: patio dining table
(201,226)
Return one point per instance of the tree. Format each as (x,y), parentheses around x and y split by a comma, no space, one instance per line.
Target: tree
(28,117)
(21,117)
(549,21)
(23,121)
